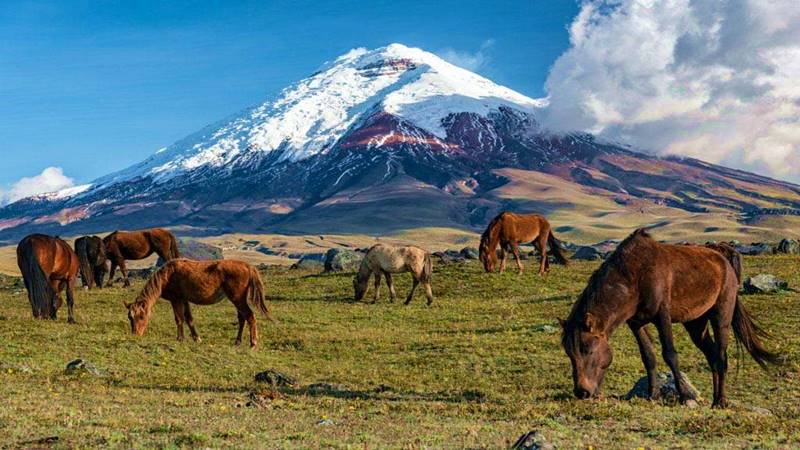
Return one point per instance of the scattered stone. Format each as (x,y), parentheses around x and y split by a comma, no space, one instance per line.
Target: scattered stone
(80,366)
(137,274)
(759,248)
(764,284)
(339,260)
(532,440)
(788,246)
(275,378)
(325,422)
(311,264)
(269,252)
(545,328)
(449,257)
(666,387)
(587,254)
(469,253)
(261,398)
(606,246)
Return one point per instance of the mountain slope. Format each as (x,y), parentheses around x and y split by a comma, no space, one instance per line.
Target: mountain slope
(396,138)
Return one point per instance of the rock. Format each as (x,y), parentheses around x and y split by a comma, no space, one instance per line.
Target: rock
(448,258)
(338,260)
(759,248)
(80,366)
(532,440)
(325,422)
(545,328)
(606,246)
(196,250)
(666,387)
(138,274)
(587,254)
(275,378)
(469,253)
(788,246)
(764,284)
(311,261)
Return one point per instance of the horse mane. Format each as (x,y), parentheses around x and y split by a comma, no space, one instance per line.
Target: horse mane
(617,260)
(491,235)
(153,288)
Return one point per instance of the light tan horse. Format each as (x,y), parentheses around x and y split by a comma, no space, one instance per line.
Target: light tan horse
(509,230)
(134,245)
(385,260)
(182,281)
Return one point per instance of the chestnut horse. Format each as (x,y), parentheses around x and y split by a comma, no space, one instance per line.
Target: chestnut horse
(92,257)
(48,266)
(385,260)
(133,245)
(644,282)
(509,230)
(182,281)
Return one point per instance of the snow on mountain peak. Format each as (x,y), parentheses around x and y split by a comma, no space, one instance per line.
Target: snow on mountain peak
(309,117)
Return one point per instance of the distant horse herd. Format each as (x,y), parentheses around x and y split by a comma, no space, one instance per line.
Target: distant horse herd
(642,282)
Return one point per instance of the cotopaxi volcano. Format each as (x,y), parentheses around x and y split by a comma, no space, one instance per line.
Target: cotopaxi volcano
(397,138)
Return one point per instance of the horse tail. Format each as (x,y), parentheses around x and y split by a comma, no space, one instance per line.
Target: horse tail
(427,269)
(490,238)
(40,293)
(82,250)
(555,249)
(749,335)
(255,294)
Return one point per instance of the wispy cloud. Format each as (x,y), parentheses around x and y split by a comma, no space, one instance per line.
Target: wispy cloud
(473,61)
(51,179)
(702,78)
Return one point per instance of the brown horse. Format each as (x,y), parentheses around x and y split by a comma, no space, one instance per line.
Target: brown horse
(509,230)
(182,281)
(48,266)
(92,256)
(644,282)
(133,245)
(385,260)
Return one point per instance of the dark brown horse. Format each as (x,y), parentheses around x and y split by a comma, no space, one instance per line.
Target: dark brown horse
(509,230)
(133,245)
(182,281)
(48,266)
(645,282)
(92,256)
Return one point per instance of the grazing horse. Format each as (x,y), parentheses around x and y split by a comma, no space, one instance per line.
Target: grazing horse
(182,281)
(92,256)
(385,260)
(509,230)
(48,266)
(133,245)
(644,282)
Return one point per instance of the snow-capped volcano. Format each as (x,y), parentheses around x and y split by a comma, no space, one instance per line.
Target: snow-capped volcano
(311,116)
(387,139)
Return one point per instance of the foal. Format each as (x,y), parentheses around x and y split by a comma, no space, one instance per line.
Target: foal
(385,260)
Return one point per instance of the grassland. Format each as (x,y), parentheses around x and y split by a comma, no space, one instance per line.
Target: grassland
(476,370)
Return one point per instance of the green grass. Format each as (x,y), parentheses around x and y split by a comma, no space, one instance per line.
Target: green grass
(473,371)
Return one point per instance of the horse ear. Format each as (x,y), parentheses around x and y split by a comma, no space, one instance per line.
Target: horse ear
(127,305)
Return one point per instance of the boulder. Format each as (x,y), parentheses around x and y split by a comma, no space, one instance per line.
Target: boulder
(606,246)
(666,387)
(81,366)
(759,248)
(275,378)
(448,257)
(196,250)
(764,284)
(788,246)
(469,253)
(587,254)
(532,440)
(311,261)
(339,260)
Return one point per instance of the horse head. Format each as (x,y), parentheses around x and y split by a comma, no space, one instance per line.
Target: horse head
(586,344)
(138,317)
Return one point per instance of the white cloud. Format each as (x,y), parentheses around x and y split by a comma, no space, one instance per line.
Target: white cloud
(703,78)
(473,61)
(51,179)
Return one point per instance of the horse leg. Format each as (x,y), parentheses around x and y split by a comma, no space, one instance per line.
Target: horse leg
(413,288)
(390,283)
(515,251)
(645,343)
(111,273)
(377,286)
(251,320)
(178,310)
(721,336)
(124,269)
(698,331)
(544,264)
(664,325)
(428,292)
(71,300)
(503,256)
(240,316)
(190,322)
(56,301)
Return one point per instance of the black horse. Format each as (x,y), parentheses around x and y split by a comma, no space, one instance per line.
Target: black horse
(92,256)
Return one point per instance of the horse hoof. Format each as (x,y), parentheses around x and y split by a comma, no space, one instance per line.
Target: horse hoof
(72,321)
(720,404)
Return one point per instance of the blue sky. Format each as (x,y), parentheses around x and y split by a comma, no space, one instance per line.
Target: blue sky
(94,86)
